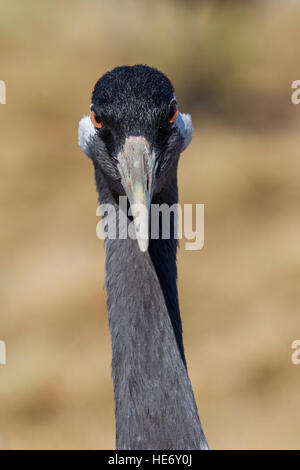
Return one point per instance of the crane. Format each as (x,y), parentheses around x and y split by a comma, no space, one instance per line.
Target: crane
(134,136)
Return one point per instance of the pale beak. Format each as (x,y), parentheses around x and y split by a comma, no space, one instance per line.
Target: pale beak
(136,165)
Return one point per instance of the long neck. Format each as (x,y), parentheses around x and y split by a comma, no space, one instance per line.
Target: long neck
(154,402)
(162,252)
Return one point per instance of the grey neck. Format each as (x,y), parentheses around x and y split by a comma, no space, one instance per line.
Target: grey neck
(154,402)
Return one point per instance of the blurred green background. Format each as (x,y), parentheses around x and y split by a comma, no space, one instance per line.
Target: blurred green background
(232,64)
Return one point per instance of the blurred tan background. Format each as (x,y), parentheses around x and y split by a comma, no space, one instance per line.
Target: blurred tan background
(232,64)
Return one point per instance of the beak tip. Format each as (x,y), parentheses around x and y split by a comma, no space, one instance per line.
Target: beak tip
(143,245)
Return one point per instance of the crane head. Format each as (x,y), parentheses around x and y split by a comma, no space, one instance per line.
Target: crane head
(135,134)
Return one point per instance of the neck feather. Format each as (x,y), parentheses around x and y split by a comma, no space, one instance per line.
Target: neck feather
(154,402)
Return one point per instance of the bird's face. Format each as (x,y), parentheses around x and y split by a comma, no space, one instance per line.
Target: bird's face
(138,133)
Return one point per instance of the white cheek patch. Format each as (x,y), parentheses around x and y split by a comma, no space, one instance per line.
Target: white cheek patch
(184,124)
(86,133)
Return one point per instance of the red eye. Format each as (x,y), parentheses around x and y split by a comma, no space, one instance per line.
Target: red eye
(96,120)
(173,113)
